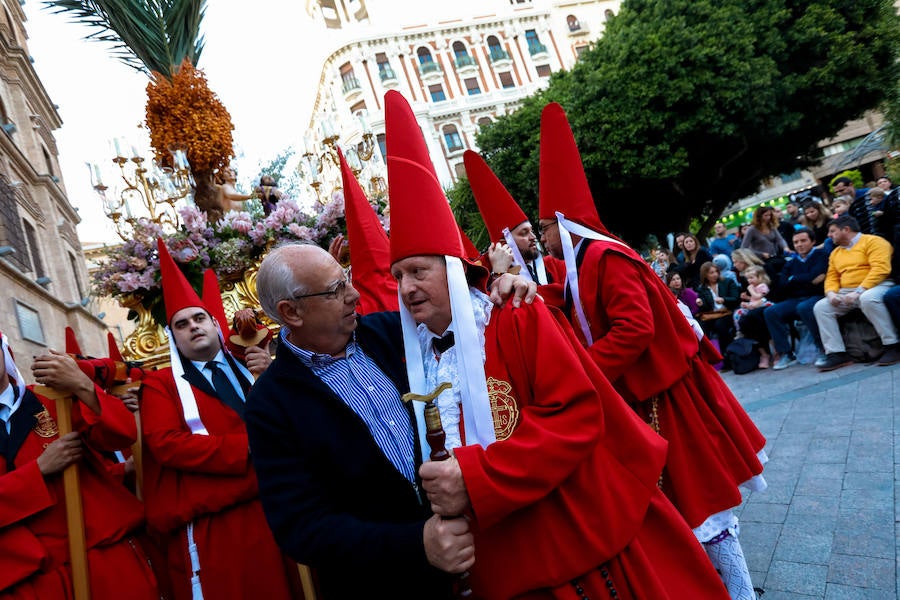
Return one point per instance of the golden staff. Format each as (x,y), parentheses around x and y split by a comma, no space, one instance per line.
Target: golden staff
(137,447)
(74,509)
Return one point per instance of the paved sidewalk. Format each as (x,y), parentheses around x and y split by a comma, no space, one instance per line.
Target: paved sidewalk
(826,527)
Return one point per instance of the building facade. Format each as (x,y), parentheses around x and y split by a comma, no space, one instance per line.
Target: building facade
(460,67)
(43,277)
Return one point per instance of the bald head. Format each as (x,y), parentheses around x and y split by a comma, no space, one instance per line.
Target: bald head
(286,272)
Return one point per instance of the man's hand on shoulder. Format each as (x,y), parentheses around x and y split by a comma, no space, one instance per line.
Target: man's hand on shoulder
(449,544)
(513,286)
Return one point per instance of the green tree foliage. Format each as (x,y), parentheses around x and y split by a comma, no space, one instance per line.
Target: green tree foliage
(147,35)
(685,105)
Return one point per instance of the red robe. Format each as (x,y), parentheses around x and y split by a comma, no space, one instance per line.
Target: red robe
(586,496)
(34,552)
(207,480)
(645,347)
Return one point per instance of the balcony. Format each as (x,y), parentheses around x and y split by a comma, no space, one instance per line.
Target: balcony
(498,55)
(351,84)
(464,61)
(430,70)
(386,74)
(537,49)
(577,28)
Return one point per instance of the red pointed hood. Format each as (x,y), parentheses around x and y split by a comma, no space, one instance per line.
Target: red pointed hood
(72,346)
(113,347)
(370,249)
(563,184)
(496,205)
(177,292)
(212,299)
(421,220)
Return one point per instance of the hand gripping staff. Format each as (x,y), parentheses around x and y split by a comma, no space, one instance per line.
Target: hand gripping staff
(435,437)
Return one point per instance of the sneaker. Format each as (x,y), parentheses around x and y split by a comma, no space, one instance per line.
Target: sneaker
(820,359)
(890,357)
(835,360)
(784,362)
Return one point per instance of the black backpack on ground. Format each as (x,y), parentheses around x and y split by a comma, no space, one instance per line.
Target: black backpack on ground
(743,354)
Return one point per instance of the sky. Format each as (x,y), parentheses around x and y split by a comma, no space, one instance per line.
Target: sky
(262,58)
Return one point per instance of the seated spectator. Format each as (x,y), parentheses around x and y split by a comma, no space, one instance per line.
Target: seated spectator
(875,205)
(757,289)
(816,217)
(857,277)
(725,268)
(741,234)
(662,262)
(694,257)
(742,260)
(717,299)
(723,243)
(685,294)
(762,237)
(843,186)
(785,227)
(678,250)
(801,283)
(840,206)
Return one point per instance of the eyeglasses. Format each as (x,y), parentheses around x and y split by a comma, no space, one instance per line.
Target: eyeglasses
(543,228)
(336,292)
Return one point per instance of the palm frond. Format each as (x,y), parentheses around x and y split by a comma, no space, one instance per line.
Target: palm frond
(146,35)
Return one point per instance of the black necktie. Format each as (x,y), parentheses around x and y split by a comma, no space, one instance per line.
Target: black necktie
(224,388)
(442,344)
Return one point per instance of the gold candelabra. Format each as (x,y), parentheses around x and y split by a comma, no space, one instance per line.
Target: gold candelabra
(148,192)
(320,165)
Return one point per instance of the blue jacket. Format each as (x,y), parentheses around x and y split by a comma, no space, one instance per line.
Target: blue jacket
(795,280)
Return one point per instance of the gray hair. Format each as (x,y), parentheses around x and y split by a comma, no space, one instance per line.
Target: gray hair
(275,280)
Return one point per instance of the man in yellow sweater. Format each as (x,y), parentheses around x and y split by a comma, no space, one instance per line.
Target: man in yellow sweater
(858,277)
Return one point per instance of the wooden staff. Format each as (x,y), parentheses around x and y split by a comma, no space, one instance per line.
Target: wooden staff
(435,436)
(137,448)
(74,510)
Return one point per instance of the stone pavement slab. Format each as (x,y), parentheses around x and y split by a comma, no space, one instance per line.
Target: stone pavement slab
(826,528)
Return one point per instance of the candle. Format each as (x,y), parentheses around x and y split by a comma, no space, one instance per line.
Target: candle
(134,152)
(98,181)
(118,147)
(364,121)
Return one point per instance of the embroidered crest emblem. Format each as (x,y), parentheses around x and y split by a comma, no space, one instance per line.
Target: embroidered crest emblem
(46,426)
(504,409)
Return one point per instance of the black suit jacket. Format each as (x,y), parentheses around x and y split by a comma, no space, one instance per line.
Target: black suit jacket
(332,498)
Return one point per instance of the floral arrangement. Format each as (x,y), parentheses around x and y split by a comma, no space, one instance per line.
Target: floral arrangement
(230,247)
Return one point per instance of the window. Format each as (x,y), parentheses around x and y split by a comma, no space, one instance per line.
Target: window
(382,145)
(452,139)
(37,265)
(579,50)
(461,55)
(348,78)
(437,92)
(506,80)
(460,169)
(11,233)
(75,271)
(384,67)
(543,70)
(609,14)
(495,49)
(424,55)
(484,121)
(29,323)
(48,161)
(472,86)
(572,22)
(330,14)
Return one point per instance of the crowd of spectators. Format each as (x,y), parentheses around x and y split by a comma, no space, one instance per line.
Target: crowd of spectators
(791,279)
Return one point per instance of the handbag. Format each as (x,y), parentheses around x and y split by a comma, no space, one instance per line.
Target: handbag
(716,314)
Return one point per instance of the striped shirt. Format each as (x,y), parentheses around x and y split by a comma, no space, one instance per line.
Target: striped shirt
(367,391)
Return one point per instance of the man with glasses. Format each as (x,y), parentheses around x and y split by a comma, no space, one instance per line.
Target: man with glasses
(200,489)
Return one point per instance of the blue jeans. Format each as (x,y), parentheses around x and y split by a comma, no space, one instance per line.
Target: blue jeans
(779,317)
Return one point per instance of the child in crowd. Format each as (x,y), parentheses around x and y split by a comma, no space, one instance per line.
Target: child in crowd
(757,288)
(840,206)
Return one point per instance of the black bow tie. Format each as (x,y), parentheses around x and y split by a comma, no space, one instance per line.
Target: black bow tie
(442,344)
